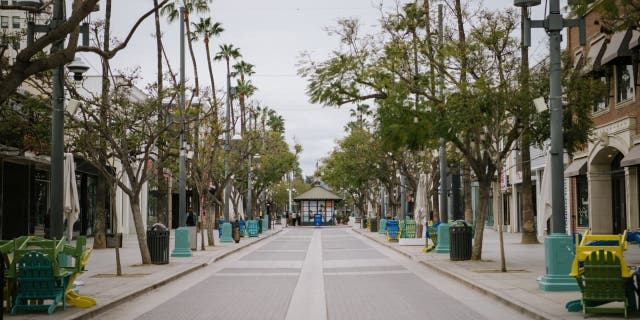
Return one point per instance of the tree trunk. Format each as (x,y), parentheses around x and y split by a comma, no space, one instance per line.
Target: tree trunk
(213,84)
(114,219)
(436,207)
(466,190)
(481,214)
(99,238)
(161,203)
(187,23)
(211,219)
(140,229)
(528,223)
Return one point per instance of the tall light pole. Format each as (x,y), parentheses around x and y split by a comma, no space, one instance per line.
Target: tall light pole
(227,151)
(58,17)
(182,246)
(443,230)
(182,198)
(557,258)
(290,190)
(226,226)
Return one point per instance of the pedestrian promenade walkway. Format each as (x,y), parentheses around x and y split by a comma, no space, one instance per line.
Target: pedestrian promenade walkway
(100,282)
(517,288)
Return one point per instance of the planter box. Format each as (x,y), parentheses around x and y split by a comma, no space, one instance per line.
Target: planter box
(111,240)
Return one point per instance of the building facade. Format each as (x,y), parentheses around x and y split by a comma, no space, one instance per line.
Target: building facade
(603,177)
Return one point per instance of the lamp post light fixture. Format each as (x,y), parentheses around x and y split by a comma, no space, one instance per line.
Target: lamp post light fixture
(250,186)
(443,229)
(558,265)
(226,226)
(57,97)
(182,246)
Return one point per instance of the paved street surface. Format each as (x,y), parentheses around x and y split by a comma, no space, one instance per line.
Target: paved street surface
(313,273)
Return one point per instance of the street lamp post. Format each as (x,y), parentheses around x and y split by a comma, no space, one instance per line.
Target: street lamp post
(56,216)
(443,229)
(558,265)
(226,226)
(182,246)
(250,185)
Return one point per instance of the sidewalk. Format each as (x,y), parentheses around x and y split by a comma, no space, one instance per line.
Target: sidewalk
(518,288)
(100,282)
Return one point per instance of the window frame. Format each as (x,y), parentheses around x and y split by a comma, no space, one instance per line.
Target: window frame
(631,82)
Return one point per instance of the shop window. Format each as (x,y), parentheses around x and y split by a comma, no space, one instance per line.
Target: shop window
(624,82)
(603,102)
(582,198)
(4,2)
(4,22)
(15,22)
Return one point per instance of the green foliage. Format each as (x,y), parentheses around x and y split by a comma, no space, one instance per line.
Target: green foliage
(580,93)
(27,123)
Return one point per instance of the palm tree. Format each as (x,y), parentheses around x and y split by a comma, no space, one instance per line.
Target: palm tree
(243,69)
(207,30)
(172,11)
(228,52)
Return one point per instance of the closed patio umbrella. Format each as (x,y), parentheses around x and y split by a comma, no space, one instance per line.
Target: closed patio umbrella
(70,193)
(421,199)
(544,201)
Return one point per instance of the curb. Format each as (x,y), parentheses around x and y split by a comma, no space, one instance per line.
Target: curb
(487,291)
(94,311)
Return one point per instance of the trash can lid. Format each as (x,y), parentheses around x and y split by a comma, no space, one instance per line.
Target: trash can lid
(159,226)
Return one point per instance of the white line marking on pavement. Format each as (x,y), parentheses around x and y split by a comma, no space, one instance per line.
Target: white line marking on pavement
(308,301)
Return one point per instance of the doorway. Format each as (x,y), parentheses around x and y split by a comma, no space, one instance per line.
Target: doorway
(618,195)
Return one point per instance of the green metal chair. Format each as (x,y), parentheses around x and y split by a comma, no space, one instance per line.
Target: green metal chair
(36,280)
(601,282)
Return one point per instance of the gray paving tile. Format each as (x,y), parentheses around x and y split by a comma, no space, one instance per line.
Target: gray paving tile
(224,297)
(399,296)
(365,269)
(351,254)
(259,270)
(275,256)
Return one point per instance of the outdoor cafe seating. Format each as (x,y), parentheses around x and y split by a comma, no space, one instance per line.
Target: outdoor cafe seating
(606,281)
(40,272)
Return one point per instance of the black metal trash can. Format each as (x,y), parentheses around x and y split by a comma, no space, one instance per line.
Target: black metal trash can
(158,243)
(460,241)
(364,223)
(374,224)
(235,231)
(259,225)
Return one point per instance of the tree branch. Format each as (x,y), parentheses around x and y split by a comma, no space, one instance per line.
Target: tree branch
(111,53)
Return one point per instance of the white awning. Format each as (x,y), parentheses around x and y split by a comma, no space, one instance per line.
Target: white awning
(632,158)
(619,45)
(635,38)
(578,59)
(576,168)
(594,55)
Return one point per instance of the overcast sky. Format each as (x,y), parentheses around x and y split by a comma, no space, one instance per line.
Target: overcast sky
(271,35)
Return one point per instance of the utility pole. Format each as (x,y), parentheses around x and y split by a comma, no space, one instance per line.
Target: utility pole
(556,256)
(182,201)
(182,246)
(443,230)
